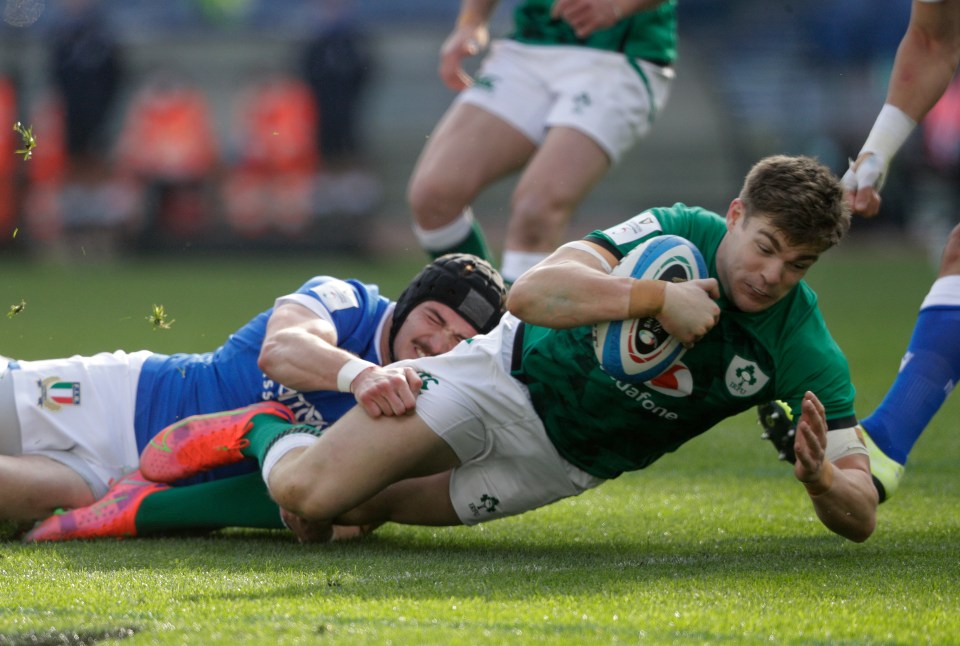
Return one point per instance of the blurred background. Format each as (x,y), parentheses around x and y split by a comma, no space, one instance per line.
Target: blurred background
(224,125)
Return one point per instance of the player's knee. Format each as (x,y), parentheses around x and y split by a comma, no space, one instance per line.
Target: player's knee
(303,492)
(538,220)
(434,203)
(950,264)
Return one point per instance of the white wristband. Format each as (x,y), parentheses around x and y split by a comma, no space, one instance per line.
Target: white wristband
(889,131)
(349,372)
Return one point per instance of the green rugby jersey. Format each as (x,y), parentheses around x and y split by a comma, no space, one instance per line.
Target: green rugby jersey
(606,427)
(650,35)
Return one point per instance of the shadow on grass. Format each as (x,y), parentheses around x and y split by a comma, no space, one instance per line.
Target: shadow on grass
(461,562)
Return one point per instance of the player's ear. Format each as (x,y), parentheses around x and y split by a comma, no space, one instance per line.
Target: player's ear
(734,213)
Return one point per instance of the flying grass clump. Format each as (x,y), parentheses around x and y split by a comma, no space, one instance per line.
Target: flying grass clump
(29,141)
(158,318)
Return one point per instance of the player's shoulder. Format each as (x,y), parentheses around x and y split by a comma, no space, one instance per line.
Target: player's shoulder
(339,294)
(699,225)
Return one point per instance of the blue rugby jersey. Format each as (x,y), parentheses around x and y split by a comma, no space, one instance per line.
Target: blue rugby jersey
(172,387)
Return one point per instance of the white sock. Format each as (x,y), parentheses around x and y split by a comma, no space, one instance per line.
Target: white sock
(945,291)
(280,448)
(517,262)
(448,236)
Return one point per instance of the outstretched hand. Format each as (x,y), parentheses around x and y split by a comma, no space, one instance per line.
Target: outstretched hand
(812,468)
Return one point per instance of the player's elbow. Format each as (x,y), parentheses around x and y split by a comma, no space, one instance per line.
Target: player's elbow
(270,357)
(863,530)
(518,302)
(853,526)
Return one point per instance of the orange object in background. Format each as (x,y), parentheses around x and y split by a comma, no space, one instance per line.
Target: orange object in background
(168,146)
(270,186)
(276,128)
(168,134)
(9,142)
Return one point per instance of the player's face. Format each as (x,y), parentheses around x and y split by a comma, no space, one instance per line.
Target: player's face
(755,264)
(430,329)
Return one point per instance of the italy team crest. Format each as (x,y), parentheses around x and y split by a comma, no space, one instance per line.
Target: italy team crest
(54,394)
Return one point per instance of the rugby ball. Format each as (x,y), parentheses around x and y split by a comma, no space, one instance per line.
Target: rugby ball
(638,350)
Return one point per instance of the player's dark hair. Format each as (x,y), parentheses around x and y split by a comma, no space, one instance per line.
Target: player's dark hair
(469,285)
(801,197)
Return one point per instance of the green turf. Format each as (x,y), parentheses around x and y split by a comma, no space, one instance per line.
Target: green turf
(714,544)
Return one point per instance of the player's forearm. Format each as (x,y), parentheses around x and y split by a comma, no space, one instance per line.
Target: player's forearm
(845,502)
(475,13)
(926,59)
(302,361)
(568,294)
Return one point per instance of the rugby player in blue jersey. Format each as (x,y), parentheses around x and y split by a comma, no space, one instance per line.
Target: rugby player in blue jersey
(72,428)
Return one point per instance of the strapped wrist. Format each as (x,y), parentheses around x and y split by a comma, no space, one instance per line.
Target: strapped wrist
(646,298)
(349,371)
(889,131)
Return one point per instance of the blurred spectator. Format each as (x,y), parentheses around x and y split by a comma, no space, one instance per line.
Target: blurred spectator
(337,64)
(86,69)
(73,205)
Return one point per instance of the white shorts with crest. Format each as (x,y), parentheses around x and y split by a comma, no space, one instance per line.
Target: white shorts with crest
(508,464)
(599,93)
(78,411)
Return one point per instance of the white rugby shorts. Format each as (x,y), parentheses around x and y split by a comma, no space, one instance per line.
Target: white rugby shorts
(508,464)
(599,93)
(80,412)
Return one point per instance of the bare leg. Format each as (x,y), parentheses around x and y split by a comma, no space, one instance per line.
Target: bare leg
(416,501)
(34,486)
(355,460)
(925,379)
(468,150)
(561,173)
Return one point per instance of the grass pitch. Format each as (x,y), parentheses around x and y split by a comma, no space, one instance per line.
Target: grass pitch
(714,544)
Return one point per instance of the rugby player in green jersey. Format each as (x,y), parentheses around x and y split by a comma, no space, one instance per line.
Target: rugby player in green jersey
(524,416)
(560,99)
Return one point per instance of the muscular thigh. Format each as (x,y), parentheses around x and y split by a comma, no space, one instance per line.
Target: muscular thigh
(415,501)
(354,460)
(469,149)
(565,168)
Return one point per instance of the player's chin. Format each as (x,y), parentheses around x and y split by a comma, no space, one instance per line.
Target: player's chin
(750,301)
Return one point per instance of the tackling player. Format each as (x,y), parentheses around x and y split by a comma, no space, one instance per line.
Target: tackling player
(70,428)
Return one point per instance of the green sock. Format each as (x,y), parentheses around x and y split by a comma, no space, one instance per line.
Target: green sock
(266,430)
(475,243)
(238,501)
